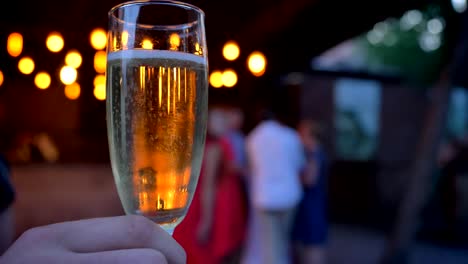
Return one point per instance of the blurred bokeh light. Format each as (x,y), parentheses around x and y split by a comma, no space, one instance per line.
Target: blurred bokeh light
(55,42)
(73,59)
(100,92)
(174,41)
(229,78)
(73,91)
(256,63)
(99,79)
(231,50)
(98,39)
(26,65)
(216,79)
(68,75)
(15,44)
(100,61)
(147,44)
(42,80)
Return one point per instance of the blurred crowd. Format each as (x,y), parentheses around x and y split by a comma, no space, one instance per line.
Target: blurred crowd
(261,196)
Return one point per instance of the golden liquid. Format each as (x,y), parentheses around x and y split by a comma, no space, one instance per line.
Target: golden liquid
(157,104)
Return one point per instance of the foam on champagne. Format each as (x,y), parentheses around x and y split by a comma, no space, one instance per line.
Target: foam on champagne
(154,54)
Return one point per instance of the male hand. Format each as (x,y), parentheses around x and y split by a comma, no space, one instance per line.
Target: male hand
(116,240)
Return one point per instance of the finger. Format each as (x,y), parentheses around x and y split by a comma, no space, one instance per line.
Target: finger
(134,256)
(121,232)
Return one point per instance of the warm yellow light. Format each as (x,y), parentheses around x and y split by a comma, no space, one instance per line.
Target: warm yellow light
(15,44)
(55,42)
(98,38)
(1,78)
(257,63)
(99,79)
(100,61)
(229,78)
(174,41)
(26,65)
(147,44)
(100,92)
(68,75)
(42,80)
(231,51)
(216,79)
(125,38)
(73,91)
(73,59)
(198,50)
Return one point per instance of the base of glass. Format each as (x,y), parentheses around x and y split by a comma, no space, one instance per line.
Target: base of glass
(169,228)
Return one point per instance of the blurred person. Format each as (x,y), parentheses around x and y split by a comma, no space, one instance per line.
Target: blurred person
(236,137)
(276,160)
(108,240)
(310,227)
(7,197)
(214,228)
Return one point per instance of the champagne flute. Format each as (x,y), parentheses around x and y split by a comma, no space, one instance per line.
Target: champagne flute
(157,100)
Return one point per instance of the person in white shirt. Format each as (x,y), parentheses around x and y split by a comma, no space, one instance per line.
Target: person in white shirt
(276,161)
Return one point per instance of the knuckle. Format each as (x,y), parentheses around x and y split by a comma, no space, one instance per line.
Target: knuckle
(36,234)
(140,228)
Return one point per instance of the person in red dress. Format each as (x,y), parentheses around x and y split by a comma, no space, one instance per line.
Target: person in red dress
(213,230)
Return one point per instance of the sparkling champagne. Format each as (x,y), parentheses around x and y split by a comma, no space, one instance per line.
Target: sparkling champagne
(157,103)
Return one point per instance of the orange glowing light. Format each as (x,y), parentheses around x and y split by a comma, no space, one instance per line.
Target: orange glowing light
(229,78)
(72,91)
(42,80)
(55,42)
(98,39)
(100,61)
(174,41)
(15,44)
(257,63)
(216,79)
(99,79)
(73,59)
(231,51)
(147,44)
(100,92)
(125,38)
(26,65)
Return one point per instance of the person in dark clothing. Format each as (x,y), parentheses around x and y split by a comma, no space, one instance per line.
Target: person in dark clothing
(7,197)
(311,224)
